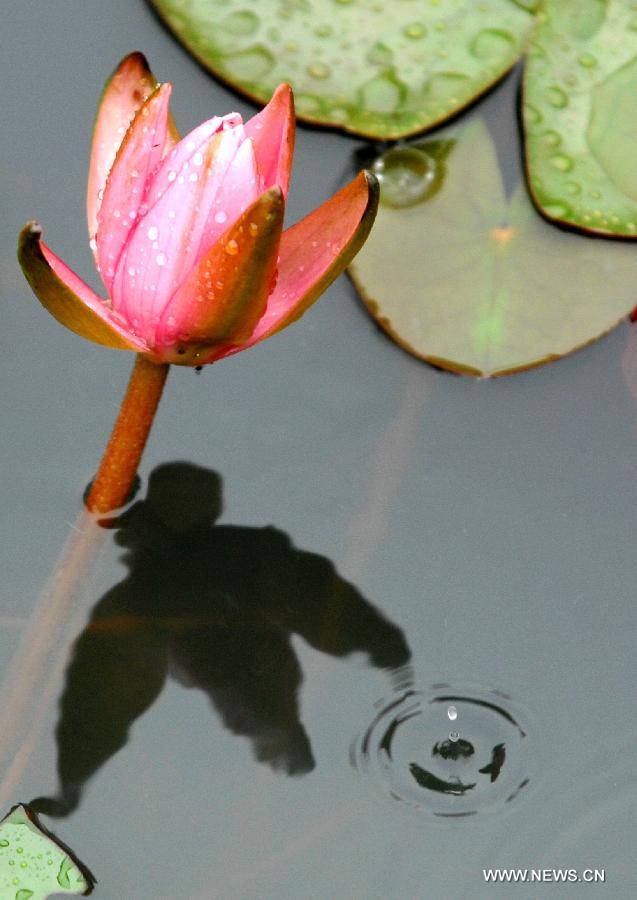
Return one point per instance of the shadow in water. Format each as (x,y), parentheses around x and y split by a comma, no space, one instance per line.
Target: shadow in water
(215,607)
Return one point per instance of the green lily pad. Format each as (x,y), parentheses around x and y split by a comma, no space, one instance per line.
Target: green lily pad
(33,864)
(380,68)
(580,114)
(476,283)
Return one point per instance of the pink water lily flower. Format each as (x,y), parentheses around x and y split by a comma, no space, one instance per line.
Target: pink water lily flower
(187,234)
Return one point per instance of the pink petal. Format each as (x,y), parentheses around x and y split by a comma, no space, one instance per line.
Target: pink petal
(272,131)
(67,297)
(180,156)
(239,185)
(184,222)
(125,92)
(226,293)
(138,155)
(314,252)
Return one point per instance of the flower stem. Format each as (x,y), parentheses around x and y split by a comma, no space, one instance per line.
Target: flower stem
(113,482)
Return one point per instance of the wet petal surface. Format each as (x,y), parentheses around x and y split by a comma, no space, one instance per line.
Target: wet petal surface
(140,152)
(225,295)
(68,298)
(315,251)
(130,85)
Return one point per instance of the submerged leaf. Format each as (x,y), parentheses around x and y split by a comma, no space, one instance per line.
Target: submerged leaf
(33,864)
(381,68)
(479,284)
(580,114)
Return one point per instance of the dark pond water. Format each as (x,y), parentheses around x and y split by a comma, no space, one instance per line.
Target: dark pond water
(369,631)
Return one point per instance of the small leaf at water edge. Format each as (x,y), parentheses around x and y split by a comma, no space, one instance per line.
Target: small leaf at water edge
(580,114)
(33,864)
(379,68)
(478,284)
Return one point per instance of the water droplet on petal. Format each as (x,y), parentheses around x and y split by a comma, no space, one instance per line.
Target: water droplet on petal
(220,217)
(232,248)
(160,259)
(153,232)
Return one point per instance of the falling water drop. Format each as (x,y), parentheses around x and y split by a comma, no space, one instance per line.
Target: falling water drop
(409,753)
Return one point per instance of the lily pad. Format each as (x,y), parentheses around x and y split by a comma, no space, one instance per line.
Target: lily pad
(379,68)
(580,114)
(476,283)
(33,864)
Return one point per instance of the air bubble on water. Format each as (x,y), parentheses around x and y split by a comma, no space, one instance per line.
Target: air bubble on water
(452,713)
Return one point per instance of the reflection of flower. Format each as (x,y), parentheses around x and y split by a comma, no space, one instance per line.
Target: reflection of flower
(214,606)
(187,234)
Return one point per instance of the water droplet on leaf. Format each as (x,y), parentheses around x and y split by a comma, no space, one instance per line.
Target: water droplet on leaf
(406,175)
